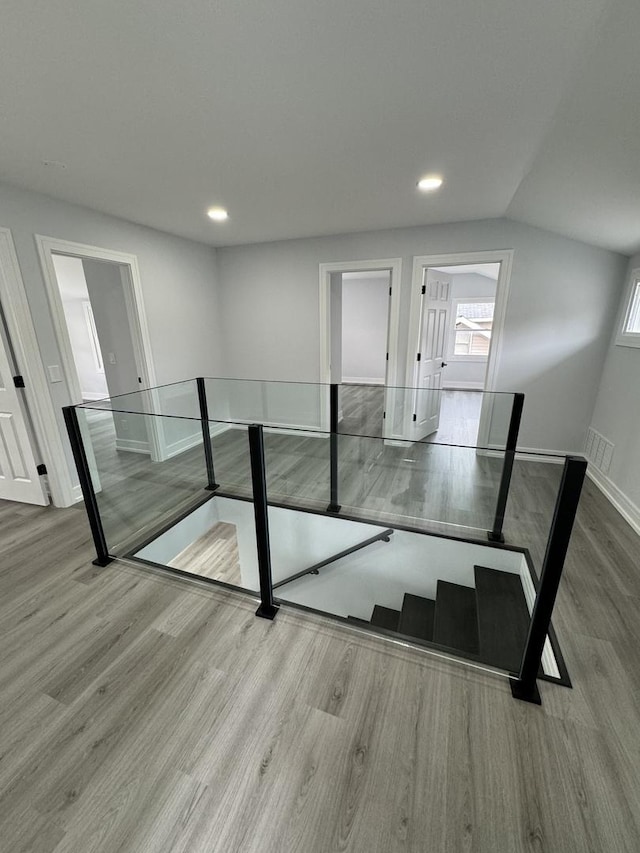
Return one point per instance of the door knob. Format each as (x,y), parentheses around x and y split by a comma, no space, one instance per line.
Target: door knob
(444,364)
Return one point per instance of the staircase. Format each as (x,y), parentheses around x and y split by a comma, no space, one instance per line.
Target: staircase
(488,623)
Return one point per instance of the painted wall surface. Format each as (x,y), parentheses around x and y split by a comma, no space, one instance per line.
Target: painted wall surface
(563,299)
(365,312)
(74,293)
(466,373)
(178,282)
(617,411)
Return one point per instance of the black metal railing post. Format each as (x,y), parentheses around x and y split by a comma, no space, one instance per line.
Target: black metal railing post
(334,404)
(206,435)
(84,475)
(496,535)
(524,686)
(267,608)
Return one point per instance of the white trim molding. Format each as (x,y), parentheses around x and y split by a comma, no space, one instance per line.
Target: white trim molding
(132,287)
(421,262)
(630,309)
(627,509)
(393,375)
(25,344)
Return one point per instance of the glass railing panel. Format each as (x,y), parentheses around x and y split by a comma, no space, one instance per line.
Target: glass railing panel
(419,483)
(440,416)
(144,469)
(177,399)
(293,405)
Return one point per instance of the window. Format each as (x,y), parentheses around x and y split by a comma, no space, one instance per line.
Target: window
(472,325)
(629,335)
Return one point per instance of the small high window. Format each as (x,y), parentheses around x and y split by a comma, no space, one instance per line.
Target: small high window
(471,333)
(629,335)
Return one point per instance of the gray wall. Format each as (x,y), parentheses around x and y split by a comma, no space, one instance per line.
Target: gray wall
(365,314)
(178,283)
(73,291)
(617,411)
(459,371)
(564,295)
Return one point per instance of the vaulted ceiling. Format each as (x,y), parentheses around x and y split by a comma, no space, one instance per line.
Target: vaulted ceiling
(307,118)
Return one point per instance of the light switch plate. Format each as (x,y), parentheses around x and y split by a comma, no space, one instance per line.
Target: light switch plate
(55,374)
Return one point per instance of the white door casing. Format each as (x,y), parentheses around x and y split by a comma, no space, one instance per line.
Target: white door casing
(19,478)
(434,324)
(421,262)
(328,372)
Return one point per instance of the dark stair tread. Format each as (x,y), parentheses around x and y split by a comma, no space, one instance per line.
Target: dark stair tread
(357,620)
(456,617)
(385,617)
(416,616)
(503,617)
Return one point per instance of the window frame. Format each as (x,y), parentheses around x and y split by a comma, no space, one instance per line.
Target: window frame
(632,297)
(457,300)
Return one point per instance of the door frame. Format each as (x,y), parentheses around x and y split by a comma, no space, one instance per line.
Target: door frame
(24,343)
(134,301)
(420,262)
(392,375)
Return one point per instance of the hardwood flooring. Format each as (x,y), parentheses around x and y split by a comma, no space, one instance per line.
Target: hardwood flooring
(144,714)
(212,555)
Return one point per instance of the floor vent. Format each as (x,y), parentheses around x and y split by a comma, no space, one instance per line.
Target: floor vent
(598,450)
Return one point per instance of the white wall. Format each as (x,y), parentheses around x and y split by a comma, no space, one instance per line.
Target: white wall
(365,314)
(460,373)
(178,282)
(617,417)
(564,296)
(74,293)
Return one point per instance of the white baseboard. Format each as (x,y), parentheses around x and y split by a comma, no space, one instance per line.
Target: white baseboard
(184,444)
(361,380)
(627,509)
(130,445)
(532,454)
(92,396)
(462,386)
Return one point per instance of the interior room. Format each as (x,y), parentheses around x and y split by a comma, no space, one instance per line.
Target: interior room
(319,426)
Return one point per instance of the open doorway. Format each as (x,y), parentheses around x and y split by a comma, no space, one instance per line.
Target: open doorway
(366,298)
(359,313)
(457,313)
(108,334)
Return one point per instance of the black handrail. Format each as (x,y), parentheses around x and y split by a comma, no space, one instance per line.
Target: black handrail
(206,434)
(334,405)
(84,475)
(524,686)
(267,608)
(496,535)
(313,570)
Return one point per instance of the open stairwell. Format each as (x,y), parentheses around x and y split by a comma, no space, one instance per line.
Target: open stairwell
(487,623)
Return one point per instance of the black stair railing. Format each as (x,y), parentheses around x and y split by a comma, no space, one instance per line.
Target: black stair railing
(206,434)
(496,534)
(86,485)
(524,686)
(267,608)
(334,405)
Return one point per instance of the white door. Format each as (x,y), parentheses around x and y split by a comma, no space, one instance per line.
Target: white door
(434,323)
(19,478)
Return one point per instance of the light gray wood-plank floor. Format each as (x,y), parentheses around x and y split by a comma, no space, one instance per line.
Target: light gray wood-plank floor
(142,714)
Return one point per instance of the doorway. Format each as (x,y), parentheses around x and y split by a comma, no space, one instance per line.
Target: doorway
(359,315)
(98,314)
(457,314)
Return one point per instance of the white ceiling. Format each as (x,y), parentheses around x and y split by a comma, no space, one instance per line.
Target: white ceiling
(308,118)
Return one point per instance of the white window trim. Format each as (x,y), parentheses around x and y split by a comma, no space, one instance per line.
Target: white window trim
(629,339)
(452,336)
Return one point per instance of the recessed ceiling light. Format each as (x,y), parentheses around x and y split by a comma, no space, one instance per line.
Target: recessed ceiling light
(218,214)
(430,183)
